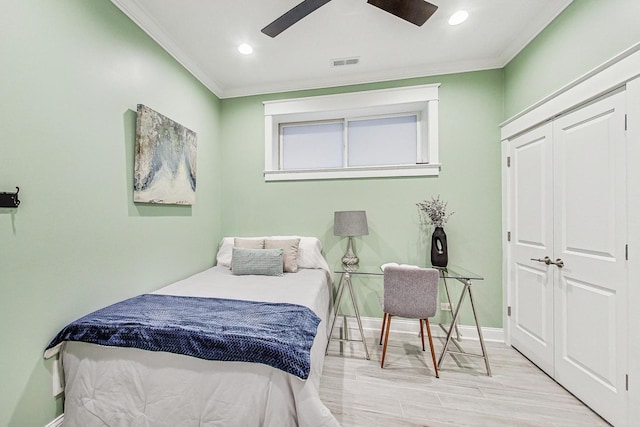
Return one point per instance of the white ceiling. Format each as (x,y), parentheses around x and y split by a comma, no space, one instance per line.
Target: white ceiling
(203,35)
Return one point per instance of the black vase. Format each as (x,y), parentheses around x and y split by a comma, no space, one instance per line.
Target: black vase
(439,256)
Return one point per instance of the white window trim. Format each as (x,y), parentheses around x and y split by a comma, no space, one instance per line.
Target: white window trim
(410,99)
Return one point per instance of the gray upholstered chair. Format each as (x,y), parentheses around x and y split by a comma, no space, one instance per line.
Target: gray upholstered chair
(410,293)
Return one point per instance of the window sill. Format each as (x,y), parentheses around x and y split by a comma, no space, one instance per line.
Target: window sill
(353,172)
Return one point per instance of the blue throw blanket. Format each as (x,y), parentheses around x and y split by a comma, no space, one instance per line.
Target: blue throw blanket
(276,334)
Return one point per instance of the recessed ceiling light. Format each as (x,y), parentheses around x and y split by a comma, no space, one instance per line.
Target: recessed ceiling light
(245,49)
(459,17)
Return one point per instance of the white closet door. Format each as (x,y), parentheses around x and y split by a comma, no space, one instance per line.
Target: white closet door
(532,237)
(591,288)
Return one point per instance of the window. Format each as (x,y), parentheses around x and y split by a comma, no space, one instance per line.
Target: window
(379,133)
(311,146)
(383,141)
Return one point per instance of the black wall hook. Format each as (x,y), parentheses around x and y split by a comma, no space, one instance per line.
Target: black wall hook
(9,200)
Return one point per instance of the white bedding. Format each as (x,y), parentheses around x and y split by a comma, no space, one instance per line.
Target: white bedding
(112,386)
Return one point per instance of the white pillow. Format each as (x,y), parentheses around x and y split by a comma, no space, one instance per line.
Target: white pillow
(309,252)
(225,252)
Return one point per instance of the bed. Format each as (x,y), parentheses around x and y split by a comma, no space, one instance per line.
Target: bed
(109,385)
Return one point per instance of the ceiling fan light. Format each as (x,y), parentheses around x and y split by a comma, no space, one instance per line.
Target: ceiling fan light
(245,49)
(459,17)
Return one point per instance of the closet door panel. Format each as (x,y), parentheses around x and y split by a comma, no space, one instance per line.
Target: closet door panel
(531,321)
(590,224)
(587,184)
(589,341)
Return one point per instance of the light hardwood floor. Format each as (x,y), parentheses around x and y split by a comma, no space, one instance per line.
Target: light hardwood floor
(406,393)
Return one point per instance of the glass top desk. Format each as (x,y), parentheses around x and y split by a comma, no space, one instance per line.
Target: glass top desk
(451,272)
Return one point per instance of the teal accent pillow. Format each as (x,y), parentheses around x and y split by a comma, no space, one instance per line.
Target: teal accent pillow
(263,262)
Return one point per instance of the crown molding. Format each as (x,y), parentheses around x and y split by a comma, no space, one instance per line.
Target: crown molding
(142,19)
(525,37)
(138,14)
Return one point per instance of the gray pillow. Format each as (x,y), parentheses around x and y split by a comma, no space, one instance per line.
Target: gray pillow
(263,262)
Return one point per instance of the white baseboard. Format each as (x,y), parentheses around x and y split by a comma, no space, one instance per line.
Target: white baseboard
(57,422)
(406,325)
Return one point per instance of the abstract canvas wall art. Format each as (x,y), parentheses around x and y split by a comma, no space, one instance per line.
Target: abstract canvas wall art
(165,160)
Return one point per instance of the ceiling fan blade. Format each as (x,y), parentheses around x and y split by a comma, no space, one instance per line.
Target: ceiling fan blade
(415,11)
(292,16)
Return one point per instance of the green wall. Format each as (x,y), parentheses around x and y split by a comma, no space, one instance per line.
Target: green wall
(585,35)
(470,110)
(72,74)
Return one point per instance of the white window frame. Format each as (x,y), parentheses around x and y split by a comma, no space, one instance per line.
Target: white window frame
(421,100)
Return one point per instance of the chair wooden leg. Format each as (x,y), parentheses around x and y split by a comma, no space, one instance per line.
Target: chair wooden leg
(433,353)
(384,320)
(386,339)
(421,334)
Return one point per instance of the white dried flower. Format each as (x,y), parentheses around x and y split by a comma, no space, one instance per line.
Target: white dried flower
(435,211)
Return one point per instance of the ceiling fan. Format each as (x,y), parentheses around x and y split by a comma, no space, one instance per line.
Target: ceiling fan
(415,11)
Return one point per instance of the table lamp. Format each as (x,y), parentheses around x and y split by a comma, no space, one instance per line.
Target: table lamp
(350,224)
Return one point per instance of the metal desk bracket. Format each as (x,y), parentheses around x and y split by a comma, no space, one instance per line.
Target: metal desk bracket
(345,282)
(454,326)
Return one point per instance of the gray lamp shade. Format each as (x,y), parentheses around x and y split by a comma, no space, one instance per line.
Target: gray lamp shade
(350,223)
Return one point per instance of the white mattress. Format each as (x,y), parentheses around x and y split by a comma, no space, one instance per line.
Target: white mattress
(113,386)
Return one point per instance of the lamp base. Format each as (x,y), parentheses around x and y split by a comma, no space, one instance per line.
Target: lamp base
(350,259)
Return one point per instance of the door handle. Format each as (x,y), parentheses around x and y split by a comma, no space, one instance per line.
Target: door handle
(558,262)
(546,260)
